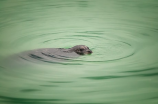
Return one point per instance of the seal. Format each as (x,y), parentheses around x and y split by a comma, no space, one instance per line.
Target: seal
(47,55)
(55,54)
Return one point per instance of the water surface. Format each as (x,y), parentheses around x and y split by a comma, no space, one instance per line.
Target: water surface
(123,68)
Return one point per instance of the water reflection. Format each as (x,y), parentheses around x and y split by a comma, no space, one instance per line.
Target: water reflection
(13,100)
(29,90)
(113,77)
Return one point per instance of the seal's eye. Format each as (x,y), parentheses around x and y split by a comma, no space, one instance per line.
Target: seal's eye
(81,49)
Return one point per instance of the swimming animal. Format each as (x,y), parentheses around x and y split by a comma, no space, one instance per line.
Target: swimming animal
(48,55)
(52,54)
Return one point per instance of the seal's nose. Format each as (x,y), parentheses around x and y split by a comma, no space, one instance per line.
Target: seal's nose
(90,52)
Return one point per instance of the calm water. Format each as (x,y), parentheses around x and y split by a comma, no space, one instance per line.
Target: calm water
(123,35)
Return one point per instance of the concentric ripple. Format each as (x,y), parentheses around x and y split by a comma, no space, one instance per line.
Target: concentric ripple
(104,50)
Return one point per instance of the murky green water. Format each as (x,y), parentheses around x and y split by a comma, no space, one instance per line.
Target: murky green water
(123,35)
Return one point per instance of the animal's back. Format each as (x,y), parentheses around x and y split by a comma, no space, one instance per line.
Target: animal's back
(38,56)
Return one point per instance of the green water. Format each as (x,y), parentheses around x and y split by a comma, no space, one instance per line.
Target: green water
(123,35)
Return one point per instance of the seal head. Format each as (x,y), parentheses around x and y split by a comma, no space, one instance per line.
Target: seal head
(81,49)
